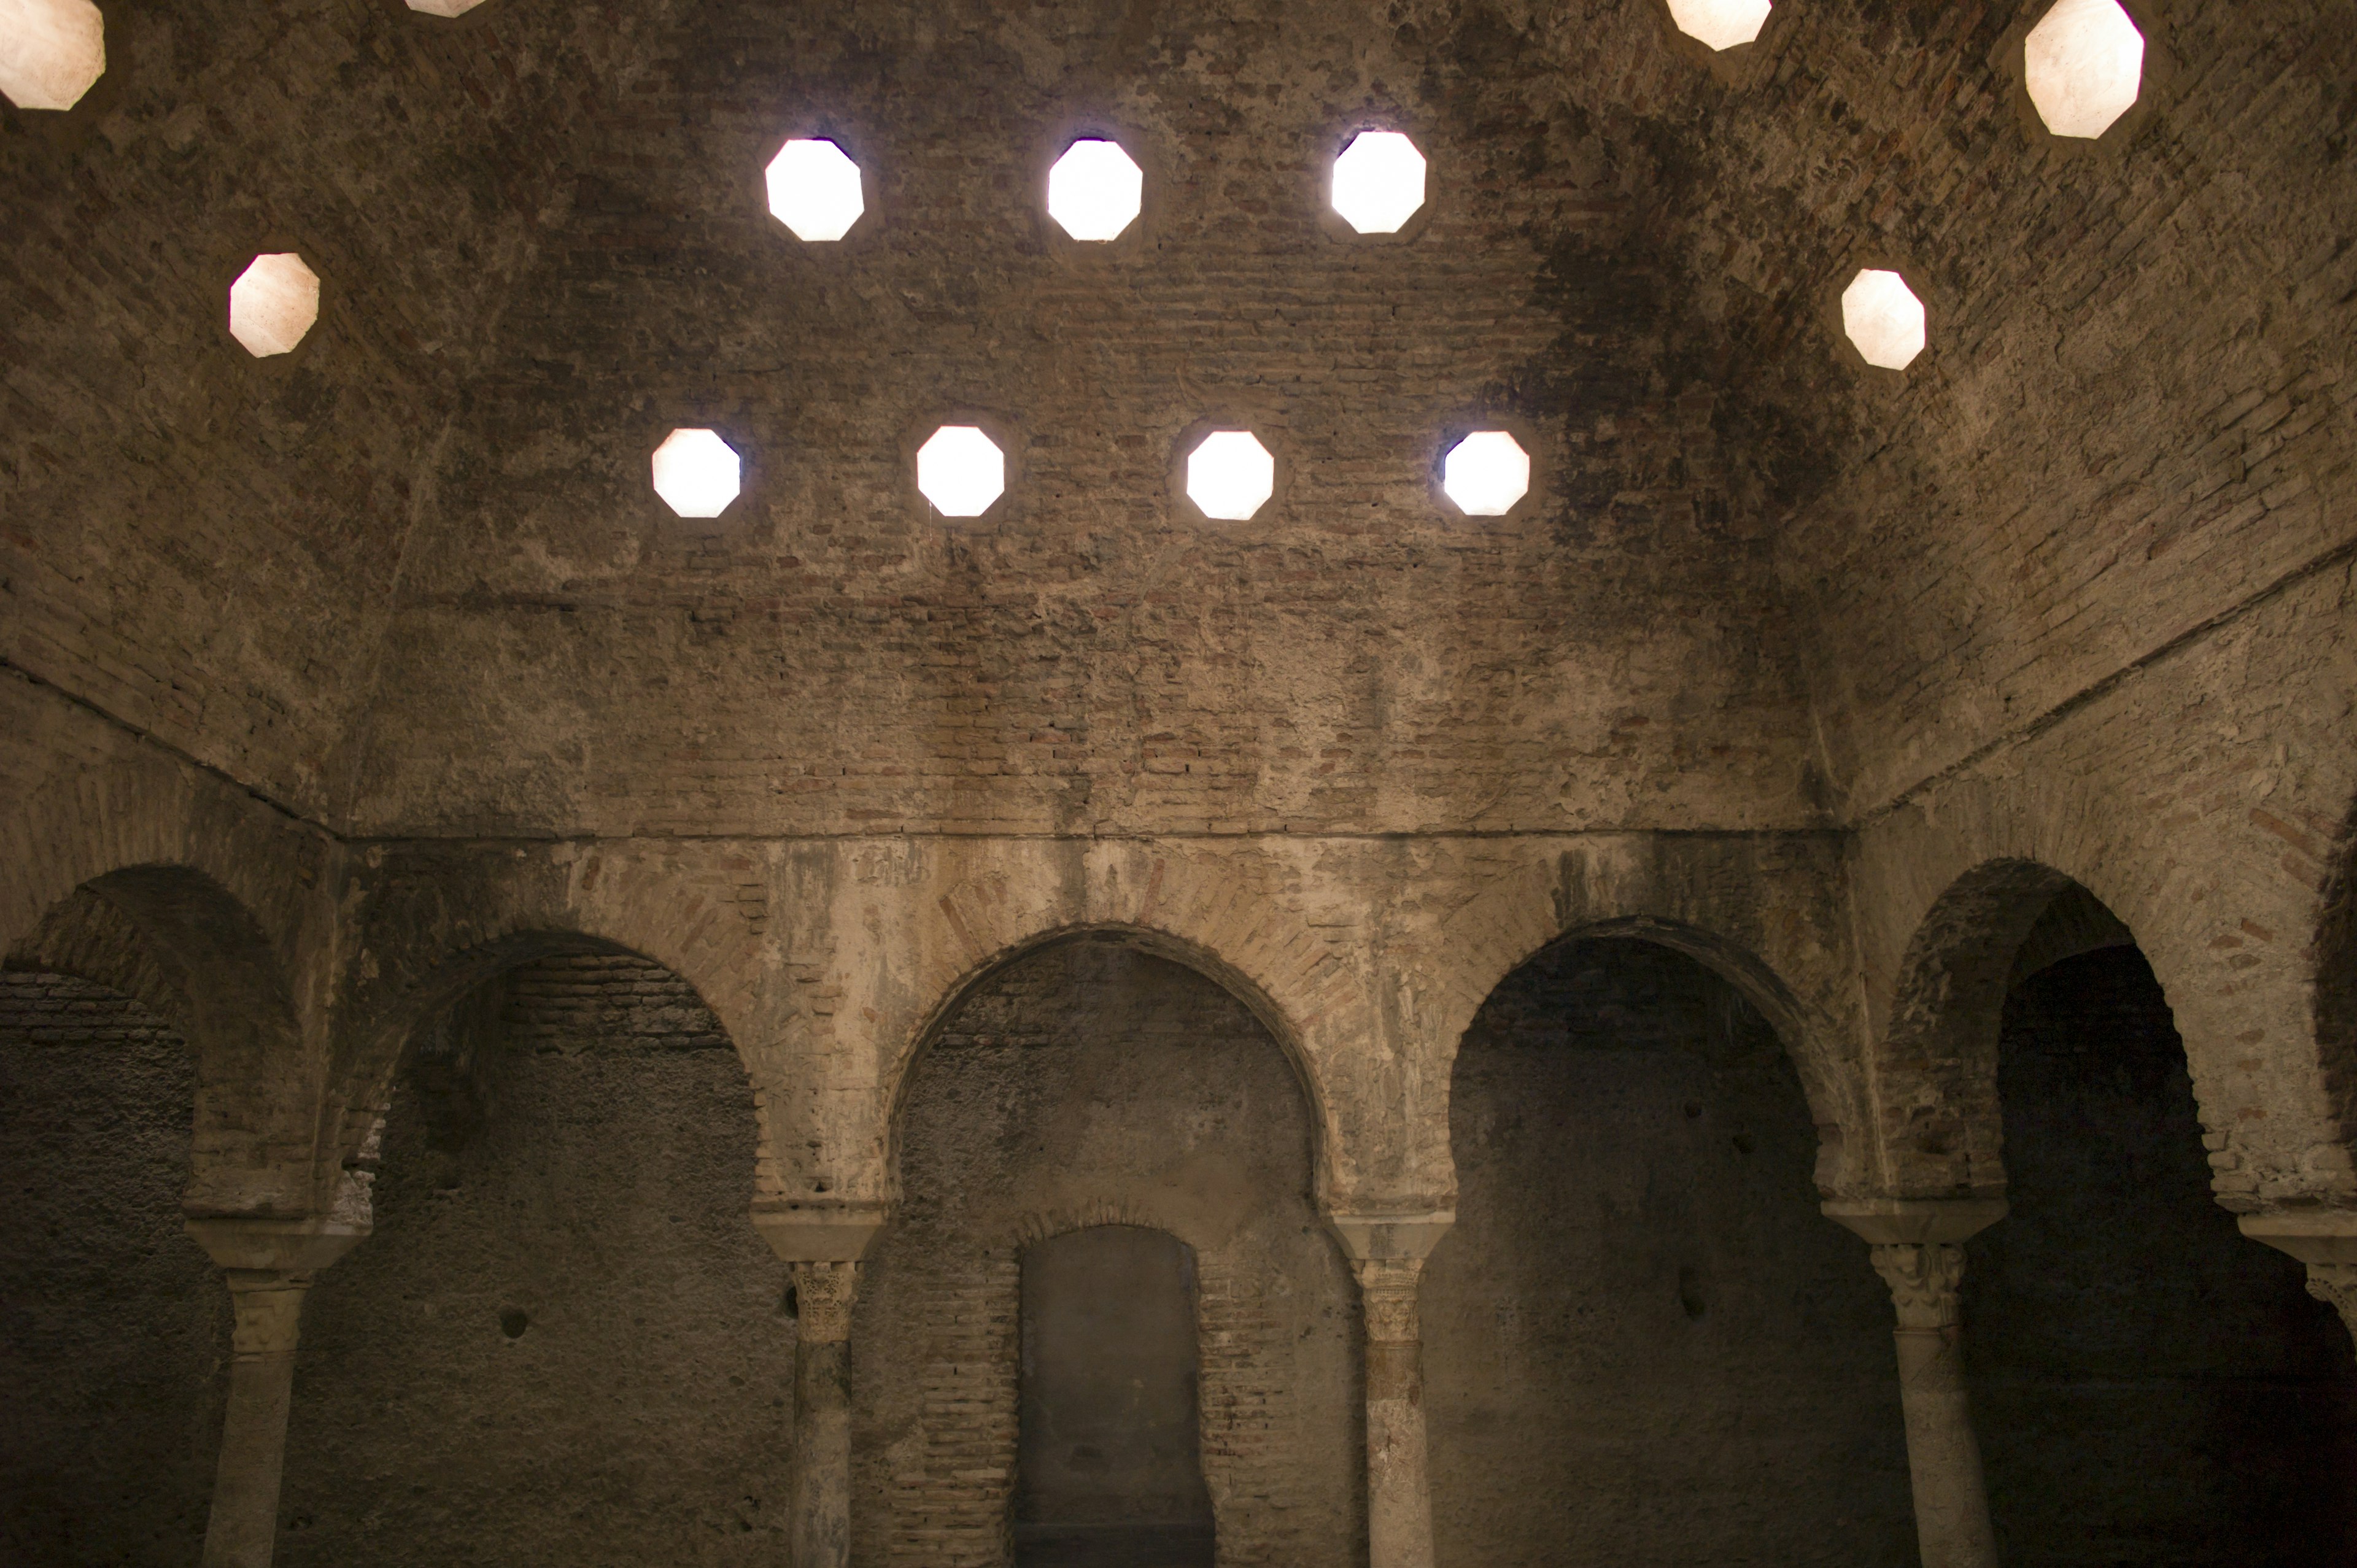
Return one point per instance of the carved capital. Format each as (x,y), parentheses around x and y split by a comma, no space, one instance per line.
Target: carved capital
(268,1312)
(1924,1282)
(824,1296)
(2336,1285)
(1387,1290)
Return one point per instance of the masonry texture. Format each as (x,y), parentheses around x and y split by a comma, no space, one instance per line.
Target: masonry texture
(537,1029)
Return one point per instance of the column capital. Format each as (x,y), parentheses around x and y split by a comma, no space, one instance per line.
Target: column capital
(823,1295)
(244,1245)
(817,1231)
(1914,1222)
(1926,1283)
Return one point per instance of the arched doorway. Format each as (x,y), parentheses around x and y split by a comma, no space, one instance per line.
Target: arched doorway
(1645,1344)
(2149,1386)
(564,1342)
(1108,1470)
(1089,1088)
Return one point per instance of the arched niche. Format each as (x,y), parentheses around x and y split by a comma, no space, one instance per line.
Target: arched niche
(2148,1384)
(1643,1343)
(564,1340)
(1090,1082)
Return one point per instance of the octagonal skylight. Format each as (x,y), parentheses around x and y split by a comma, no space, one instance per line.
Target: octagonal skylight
(51,51)
(1884,318)
(1378,182)
(1486,474)
(1229,475)
(273,304)
(961,470)
(814,189)
(1095,190)
(2086,66)
(696,473)
(1721,24)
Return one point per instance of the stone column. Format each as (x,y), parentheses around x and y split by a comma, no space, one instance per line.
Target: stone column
(822,1243)
(1387,1253)
(1918,1249)
(268,1264)
(2323,1239)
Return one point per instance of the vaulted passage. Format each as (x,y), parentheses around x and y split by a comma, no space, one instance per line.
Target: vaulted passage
(2150,1387)
(1645,1346)
(1105,1170)
(1109,1471)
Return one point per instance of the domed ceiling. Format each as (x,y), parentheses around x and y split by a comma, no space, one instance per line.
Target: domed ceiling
(412,577)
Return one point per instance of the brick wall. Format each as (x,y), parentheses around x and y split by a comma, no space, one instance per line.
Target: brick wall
(115,1326)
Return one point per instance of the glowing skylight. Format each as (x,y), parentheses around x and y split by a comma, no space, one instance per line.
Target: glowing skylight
(51,51)
(273,304)
(1486,474)
(696,473)
(1378,182)
(444,8)
(961,470)
(1229,475)
(2086,66)
(1095,190)
(815,190)
(1721,24)
(1884,318)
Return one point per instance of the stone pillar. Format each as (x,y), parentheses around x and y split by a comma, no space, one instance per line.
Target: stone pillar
(2323,1239)
(820,1531)
(1387,1253)
(823,1244)
(268,1264)
(1918,1249)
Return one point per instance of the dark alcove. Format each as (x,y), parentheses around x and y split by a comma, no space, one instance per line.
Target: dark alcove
(1109,1471)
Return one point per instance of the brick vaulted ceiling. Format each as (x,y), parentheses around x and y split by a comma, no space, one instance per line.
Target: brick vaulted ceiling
(411,578)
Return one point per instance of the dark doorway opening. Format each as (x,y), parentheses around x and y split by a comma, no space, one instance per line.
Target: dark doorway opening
(2149,1386)
(1109,1471)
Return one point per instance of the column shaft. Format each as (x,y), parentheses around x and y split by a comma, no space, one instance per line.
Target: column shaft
(820,1526)
(1399,1487)
(1944,1456)
(244,1529)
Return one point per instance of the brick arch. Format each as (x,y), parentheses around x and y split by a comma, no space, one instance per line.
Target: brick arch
(2332,960)
(2210,900)
(183,944)
(383,1040)
(1513,922)
(203,888)
(1207,912)
(1157,942)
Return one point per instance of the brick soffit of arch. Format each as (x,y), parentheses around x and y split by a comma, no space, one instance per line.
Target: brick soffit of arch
(2220,922)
